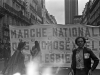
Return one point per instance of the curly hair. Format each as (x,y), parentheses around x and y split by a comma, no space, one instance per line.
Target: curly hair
(79,38)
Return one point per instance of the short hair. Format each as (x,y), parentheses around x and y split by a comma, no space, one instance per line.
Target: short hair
(79,38)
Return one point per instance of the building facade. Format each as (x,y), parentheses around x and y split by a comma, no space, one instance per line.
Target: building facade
(53,19)
(20,13)
(91,13)
(34,7)
(15,13)
(77,19)
(95,13)
(47,17)
(71,10)
(86,14)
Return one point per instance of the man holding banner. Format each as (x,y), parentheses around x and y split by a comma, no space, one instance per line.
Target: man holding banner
(81,58)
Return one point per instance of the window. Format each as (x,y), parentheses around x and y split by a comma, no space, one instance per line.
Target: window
(14,21)
(10,20)
(23,12)
(18,7)
(22,24)
(6,33)
(13,4)
(34,5)
(8,1)
(17,23)
(5,19)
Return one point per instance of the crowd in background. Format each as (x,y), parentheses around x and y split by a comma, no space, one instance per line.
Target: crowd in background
(5,52)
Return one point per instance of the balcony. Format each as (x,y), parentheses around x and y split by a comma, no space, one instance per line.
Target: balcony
(21,3)
(10,9)
(16,13)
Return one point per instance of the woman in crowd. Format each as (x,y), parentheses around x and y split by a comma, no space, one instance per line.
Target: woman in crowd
(35,50)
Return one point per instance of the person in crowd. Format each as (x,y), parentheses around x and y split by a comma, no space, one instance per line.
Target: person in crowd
(36,55)
(16,61)
(35,50)
(81,58)
(6,53)
(1,51)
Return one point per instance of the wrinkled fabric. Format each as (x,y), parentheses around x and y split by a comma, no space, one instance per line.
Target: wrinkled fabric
(15,64)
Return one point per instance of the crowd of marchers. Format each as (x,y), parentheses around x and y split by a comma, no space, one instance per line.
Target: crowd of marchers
(5,52)
(15,63)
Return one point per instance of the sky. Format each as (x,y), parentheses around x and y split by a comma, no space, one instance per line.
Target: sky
(56,8)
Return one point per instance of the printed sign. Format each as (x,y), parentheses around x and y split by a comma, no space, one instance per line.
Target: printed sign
(56,41)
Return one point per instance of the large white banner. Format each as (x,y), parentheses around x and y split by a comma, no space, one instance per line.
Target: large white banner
(56,41)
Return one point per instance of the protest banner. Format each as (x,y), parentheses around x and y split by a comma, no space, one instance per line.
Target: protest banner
(56,41)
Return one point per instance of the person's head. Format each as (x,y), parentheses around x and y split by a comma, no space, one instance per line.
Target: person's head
(36,44)
(80,41)
(21,45)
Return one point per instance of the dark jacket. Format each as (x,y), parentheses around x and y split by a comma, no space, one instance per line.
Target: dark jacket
(87,61)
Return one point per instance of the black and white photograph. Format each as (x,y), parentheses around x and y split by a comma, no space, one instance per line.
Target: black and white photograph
(49,37)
